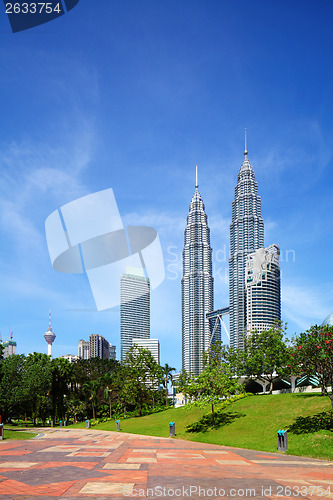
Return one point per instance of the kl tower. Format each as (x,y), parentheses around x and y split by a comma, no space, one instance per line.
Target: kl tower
(49,336)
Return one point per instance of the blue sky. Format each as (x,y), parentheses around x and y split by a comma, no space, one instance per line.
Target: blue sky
(131,95)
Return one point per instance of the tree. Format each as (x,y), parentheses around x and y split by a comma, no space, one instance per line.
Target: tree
(167,377)
(216,381)
(139,377)
(266,355)
(314,354)
(61,378)
(184,383)
(37,380)
(90,388)
(12,396)
(109,384)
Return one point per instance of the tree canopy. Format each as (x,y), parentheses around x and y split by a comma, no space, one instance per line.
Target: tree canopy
(314,355)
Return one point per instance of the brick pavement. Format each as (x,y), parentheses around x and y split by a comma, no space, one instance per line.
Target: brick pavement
(82,463)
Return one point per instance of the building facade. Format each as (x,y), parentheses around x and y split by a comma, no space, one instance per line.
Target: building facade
(196,287)
(246,236)
(83,350)
(96,347)
(9,348)
(70,357)
(263,289)
(112,351)
(151,345)
(134,308)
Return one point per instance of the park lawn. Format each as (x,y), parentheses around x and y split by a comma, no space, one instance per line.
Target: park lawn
(254,425)
(157,424)
(17,434)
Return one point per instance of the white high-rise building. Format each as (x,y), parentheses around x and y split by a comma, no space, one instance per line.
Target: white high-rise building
(197,287)
(151,345)
(246,236)
(83,350)
(134,308)
(263,290)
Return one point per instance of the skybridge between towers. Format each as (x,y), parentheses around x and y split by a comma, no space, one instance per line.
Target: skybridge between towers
(216,319)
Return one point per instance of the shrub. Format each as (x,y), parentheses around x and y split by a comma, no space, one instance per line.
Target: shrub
(220,417)
(313,423)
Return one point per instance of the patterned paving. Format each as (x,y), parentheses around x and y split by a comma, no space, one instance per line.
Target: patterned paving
(82,463)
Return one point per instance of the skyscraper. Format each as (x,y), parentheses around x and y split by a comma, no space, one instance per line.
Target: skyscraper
(246,236)
(263,290)
(197,286)
(151,345)
(134,308)
(98,347)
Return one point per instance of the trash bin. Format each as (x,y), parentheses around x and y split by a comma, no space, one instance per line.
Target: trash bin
(282,440)
(118,425)
(172,429)
(1,432)
(87,424)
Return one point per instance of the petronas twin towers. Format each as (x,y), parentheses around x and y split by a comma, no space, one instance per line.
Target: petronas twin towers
(246,237)
(197,286)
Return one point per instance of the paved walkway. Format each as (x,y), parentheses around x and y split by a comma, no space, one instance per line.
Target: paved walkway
(76,464)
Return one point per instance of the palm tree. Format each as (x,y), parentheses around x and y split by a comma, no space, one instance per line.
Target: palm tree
(167,374)
(108,390)
(91,387)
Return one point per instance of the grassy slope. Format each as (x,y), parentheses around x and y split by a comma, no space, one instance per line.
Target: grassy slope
(258,420)
(17,434)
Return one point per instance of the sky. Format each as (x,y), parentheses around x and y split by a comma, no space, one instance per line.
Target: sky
(131,95)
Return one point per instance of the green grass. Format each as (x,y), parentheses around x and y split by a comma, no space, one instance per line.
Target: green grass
(17,434)
(259,419)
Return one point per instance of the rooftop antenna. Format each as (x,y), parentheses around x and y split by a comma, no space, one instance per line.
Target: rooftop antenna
(196,176)
(245,152)
(11,334)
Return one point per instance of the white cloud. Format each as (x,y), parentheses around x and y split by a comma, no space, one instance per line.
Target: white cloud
(306,305)
(302,148)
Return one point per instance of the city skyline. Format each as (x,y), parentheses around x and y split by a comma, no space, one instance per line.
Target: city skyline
(129,97)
